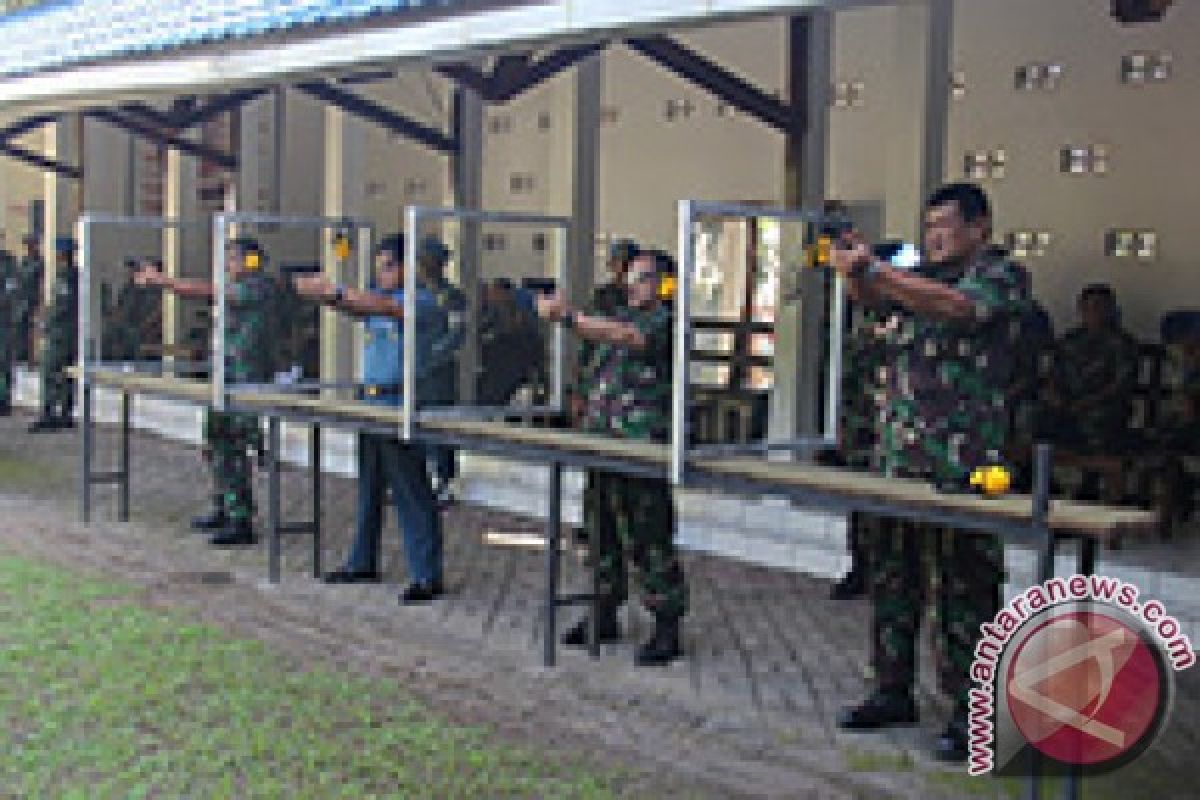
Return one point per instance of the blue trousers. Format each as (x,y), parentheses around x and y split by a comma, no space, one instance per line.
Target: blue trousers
(384,462)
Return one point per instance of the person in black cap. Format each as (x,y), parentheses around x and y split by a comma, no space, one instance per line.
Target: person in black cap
(30,275)
(59,345)
(249,355)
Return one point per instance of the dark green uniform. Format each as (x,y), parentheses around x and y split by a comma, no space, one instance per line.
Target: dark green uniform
(9,294)
(136,320)
(864,374)
(249,356)
(947,411)
(1096,372)
(60,333)
(30,275)
(628,395)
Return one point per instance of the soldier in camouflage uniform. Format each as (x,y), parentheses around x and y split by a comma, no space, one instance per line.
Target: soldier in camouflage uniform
(59,334)
(249,355)
(136,319)
(628,396)
(432,257)
(9,293)
(30,275)
(606,301)
(863,377)
(946,412)
(1090,401)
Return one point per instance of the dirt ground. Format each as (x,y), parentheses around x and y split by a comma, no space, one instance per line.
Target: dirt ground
(748,713)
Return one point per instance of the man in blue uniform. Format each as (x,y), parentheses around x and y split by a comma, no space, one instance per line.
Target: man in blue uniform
(383,460)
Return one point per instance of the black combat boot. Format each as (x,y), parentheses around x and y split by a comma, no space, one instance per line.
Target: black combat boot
(663,647)
(882,709)
(607,630)
(213,520)
(46,423)
(235,532)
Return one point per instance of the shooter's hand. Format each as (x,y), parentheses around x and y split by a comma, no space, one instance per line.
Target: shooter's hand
(552,307)
(317,287)
(850,254)
(149,276)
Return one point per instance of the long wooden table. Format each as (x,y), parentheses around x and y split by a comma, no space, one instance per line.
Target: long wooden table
(1025,519)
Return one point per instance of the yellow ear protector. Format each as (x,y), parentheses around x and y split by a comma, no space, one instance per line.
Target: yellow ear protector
(668,285)
(252,260)
(991,480)
(341,246)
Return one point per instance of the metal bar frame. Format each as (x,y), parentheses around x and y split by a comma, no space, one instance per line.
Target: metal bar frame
(88,363)
(222,224)
(689,212)
(413,217)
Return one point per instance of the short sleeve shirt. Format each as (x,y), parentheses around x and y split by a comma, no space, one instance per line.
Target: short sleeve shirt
(627,391)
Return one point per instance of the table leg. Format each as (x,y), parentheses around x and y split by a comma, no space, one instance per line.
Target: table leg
(274,500)
(553,558)
(123,466)
(314,458)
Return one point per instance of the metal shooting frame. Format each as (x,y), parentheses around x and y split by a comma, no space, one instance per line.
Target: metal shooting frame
(690,213)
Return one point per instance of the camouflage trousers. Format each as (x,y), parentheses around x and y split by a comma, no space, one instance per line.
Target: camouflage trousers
(228,437)
(622,515)
(964,572)
(58,388)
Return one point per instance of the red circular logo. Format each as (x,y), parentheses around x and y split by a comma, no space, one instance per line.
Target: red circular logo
(1084,688)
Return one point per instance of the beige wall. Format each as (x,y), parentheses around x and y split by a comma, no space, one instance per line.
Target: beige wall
(1153,179)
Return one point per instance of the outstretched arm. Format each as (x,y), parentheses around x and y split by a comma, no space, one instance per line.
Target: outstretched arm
(151,278)
(354,302)
(591,328)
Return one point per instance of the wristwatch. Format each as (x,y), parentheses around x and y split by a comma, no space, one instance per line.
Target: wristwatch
(568,320)
(339,294)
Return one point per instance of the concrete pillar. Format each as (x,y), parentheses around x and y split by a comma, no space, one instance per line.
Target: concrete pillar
(467,192)
(800,327)
(185,249)
(918,107)
(61,195)
(342,195)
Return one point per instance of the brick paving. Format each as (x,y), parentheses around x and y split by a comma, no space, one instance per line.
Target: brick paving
(770,658)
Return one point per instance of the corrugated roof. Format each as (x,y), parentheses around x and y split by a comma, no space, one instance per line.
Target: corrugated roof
(72,32)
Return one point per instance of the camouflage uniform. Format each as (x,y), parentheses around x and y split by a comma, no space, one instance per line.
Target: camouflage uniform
(9,287)
(60,332)
(444,366)
(1101,365)
(947,411)
(138,310)
(30,275)
(627,395)
(864,374)
(249,352)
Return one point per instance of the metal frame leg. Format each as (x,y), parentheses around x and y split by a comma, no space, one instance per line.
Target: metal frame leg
(1073,785)
(274,499)
(123,464)
(314,466)
(1042,466)
(553,564)
(85,467)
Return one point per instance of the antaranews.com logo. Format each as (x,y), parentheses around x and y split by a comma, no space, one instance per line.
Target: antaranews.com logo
(1078,669)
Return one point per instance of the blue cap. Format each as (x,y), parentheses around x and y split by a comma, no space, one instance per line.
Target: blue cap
(431,247)
(64,245)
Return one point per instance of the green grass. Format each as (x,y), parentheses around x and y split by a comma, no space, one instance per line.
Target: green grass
(102,698)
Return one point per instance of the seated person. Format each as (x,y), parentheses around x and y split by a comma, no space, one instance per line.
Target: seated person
(1089,401)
